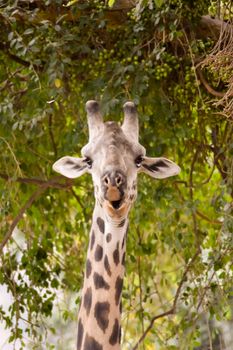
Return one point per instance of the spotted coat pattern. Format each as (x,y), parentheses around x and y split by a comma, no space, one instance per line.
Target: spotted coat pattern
(99,315)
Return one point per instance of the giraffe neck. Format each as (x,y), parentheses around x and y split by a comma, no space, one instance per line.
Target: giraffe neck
(99,314)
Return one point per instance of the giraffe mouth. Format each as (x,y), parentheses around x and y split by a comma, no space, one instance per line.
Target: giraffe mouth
(116,209)
(116,204)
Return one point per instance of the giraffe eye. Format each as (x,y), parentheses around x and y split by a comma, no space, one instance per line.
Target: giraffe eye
(88,161)
(138,161)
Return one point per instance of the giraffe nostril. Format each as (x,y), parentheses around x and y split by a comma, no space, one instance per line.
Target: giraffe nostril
(118,180)
(106,180)
(114,179)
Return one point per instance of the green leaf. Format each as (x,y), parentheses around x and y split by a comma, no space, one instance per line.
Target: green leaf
(111,2)
(159,3)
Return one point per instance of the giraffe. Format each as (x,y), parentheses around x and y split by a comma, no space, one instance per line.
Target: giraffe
(114,157)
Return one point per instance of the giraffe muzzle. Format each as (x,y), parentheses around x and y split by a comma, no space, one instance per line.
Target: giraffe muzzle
(114,197)
(116,209)
(114,184)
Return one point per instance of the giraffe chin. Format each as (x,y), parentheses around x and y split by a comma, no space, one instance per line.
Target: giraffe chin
(116,210)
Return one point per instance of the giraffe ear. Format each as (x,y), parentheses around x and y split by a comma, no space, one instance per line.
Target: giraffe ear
(159,168)
(71,167)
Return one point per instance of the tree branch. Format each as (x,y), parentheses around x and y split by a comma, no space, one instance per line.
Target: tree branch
(15,58)
(204,217)
(52,183)
(43,186)
(172,310)
(212,27)
(27,205)
(207,86)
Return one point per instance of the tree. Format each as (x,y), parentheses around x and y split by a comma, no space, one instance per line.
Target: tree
(173,58)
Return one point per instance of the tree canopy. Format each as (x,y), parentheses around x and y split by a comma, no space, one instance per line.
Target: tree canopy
(174,60)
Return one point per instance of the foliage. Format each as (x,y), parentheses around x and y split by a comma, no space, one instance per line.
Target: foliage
(55,56)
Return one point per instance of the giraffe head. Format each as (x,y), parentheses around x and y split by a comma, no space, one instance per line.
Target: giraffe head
(114,157)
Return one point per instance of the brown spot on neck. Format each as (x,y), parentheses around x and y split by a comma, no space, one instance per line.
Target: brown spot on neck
(118,286)
(101,314)
(87,301)
(100,282)
(91,344)
(101,225)
(115,333)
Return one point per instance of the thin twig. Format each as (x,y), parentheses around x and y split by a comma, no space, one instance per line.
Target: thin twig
(209,333)
(140,284)
(172,310)
(12,153)
(163,314)
(52,136)
(78,199)
(198,213)
(219,157)
(195,227)
(204,217)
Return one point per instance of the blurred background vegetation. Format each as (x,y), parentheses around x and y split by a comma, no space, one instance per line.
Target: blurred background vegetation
(174,60)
